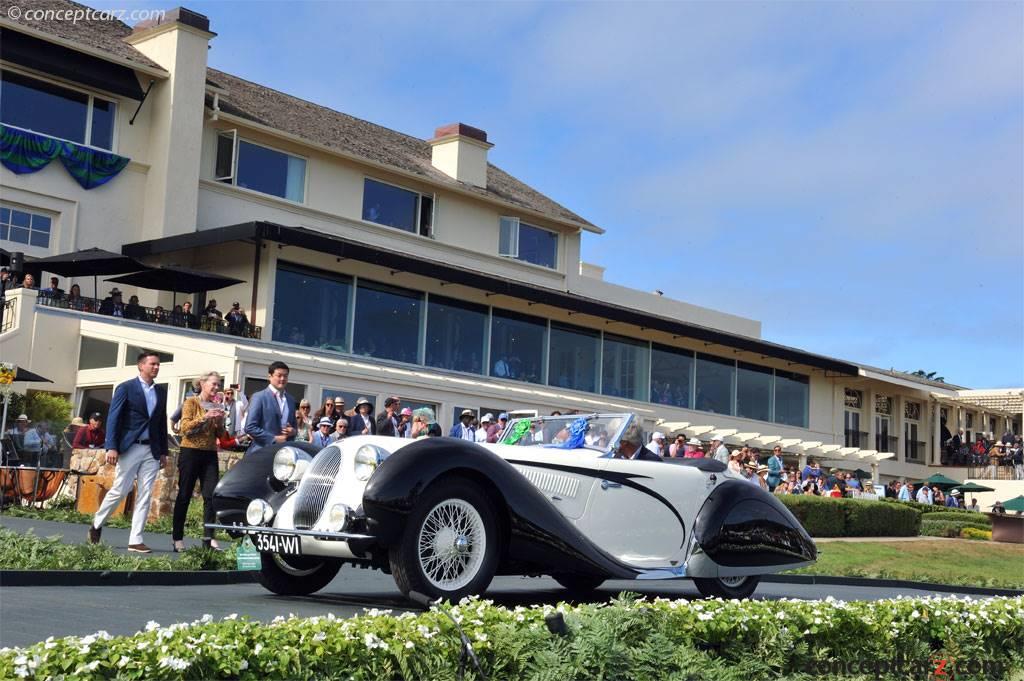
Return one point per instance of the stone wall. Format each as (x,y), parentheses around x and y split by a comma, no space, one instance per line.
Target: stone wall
(91,462)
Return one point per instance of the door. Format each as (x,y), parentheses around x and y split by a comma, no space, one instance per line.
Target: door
(567,482)
(882,433)
(641,511)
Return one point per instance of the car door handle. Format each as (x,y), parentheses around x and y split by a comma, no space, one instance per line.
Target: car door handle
(605,484)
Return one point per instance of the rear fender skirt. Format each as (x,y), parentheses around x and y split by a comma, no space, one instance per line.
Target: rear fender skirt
(743,526)
(539,533)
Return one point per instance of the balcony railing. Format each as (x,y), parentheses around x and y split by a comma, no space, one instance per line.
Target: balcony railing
(8,311)
(856,438)
(915,451)
(153,315)
(884,443)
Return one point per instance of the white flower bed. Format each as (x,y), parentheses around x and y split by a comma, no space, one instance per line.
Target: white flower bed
(627,638)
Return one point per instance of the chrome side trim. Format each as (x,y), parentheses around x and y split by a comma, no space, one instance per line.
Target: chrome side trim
(318,534)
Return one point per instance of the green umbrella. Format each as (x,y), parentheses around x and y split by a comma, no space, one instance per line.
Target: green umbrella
(973,488)
(1015,504)
(941,481)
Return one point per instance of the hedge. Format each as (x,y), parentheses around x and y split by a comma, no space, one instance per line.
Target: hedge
(975,533)
(29,552)
(931,508)
(975,518)
(830,517)
(947,528)
(628,639)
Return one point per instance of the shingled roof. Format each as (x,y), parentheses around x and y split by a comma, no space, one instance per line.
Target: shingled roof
(105,35)
(375,143)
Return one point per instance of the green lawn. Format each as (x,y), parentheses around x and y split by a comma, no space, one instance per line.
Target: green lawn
(958,561)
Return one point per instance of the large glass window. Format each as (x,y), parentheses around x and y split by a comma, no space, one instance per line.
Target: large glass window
(251,386)
(572,362)
(527,243)
(715,381)
(625,366)
(455,334)
(267,170)
(671,376)
(518,342)
(96,353)
(96,400)
(792,398)
(311,307)
(131,355)
(753,391)
(386,204)
(22,227)
(55,110)
(387,322)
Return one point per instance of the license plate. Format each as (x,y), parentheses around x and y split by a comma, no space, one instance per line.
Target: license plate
(288,544)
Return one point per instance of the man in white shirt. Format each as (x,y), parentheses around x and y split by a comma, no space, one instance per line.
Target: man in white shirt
(657,443)
(924,495)
(481,433)
(721,452)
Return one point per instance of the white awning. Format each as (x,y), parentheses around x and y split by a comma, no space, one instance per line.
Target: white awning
(743,438)
(788,442)
(697,431)
(865,453)
(673,426)
(766,440)
(881,456)
(804,446)
(825,449)
(846,451)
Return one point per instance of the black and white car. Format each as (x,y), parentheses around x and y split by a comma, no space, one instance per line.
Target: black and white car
(443,515)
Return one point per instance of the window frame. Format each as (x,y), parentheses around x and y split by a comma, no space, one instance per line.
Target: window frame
(232,181)
(32,212)
(417,220)
(514,253)
(74,87)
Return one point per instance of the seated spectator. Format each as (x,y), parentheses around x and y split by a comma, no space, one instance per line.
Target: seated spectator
(29,281)
(974,505)
(160,315)
(340,430)
(135,311)
(54,290)
(112,305)
(953,500)
(211,311)
(92,436)
(188,318)
(75,301)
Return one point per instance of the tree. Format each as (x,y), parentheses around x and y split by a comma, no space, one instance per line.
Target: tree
(52,408)
(929,375)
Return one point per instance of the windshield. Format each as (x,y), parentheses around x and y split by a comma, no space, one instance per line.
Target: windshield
(599,432)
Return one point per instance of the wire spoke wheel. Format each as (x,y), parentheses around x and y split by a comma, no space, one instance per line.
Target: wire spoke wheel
(451,545)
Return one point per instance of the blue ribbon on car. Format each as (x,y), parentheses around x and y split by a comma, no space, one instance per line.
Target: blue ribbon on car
(576,439)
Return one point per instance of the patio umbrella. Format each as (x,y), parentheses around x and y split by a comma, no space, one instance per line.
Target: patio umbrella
(89,262)
(177,280)
(941,481)
(1015,504)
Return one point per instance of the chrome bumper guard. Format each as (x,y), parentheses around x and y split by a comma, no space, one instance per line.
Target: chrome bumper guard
(316,534)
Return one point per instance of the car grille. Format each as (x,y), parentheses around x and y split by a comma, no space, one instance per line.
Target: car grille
(315,488)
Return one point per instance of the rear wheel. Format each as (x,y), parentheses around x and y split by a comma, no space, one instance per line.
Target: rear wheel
(296,575)
(449,548)
(727,587)
(579,585)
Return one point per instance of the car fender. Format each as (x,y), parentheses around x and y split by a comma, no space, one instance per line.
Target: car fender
(250,479)
(538,534)
(743,529)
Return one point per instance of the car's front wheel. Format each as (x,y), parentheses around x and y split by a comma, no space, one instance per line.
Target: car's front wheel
(727,587)
(450,545)
(296,575)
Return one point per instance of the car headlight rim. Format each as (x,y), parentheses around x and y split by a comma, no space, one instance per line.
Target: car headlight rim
(290,464)
(259,512)
(367,458)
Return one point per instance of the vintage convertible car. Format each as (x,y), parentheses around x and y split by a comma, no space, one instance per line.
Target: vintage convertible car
(444,515)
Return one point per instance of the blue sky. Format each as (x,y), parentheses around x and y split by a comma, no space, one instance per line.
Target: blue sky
(850,174)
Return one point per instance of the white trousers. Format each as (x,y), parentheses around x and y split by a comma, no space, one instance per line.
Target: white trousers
(137,462)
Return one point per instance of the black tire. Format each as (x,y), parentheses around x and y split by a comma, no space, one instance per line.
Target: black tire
(296,575)
(475,569)
(579,585)
(714,587)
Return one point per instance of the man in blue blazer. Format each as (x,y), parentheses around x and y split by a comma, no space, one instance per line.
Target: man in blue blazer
(137,443)
(271,416)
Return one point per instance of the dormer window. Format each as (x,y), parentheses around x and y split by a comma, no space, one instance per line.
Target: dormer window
(55,110)
(525,242)
(260,168)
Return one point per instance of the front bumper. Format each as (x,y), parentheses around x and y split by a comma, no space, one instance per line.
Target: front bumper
(320,535)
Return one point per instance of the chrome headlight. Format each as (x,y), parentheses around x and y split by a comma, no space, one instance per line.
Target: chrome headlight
(338,516)
(259,512)
(368,457)
(290,464)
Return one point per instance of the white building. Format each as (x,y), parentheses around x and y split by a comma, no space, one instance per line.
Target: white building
(375,263)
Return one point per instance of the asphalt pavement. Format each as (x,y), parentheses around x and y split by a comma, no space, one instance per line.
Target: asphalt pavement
(31,614)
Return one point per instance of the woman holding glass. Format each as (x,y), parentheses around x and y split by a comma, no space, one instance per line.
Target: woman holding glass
(202,423)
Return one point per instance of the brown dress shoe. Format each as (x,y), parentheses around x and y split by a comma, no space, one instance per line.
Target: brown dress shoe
(139,548)
(94,534)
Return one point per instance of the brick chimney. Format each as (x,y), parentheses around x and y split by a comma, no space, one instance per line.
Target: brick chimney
(460,151)
(178,41)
